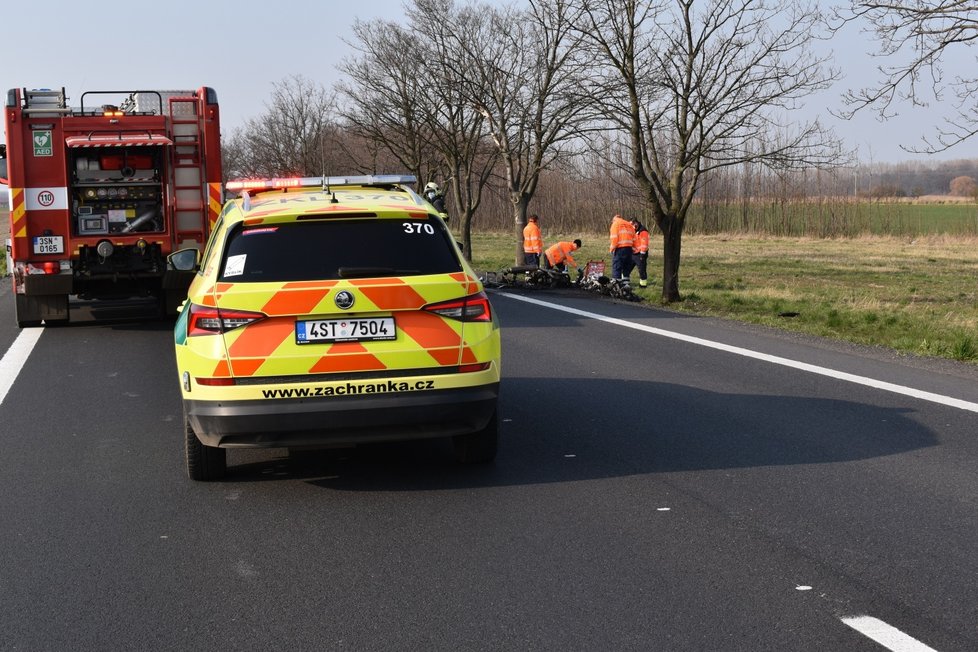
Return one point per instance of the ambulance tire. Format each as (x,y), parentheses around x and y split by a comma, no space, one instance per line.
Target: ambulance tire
(478,447)
(204,463)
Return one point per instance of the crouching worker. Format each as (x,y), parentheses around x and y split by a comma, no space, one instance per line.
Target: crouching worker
(559,255)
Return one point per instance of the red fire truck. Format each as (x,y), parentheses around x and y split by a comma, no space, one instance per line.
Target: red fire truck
(102,193)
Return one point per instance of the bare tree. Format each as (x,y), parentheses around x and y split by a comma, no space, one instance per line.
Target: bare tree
(234,154)
(291,137)
(693,86)
(454,125)
(403,94)
(914,37)
(385,98)
(521,69)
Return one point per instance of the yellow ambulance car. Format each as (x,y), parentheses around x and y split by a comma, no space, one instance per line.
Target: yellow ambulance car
(333,311)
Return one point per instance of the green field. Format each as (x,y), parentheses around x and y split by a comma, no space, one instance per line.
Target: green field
(916,295)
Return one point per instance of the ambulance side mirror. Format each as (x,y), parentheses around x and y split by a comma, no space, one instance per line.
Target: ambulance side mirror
(185,260)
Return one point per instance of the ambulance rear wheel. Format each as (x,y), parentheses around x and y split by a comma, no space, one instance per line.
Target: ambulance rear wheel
(478,447)
(204,463)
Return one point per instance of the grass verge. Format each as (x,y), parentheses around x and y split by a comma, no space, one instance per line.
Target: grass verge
(916,295)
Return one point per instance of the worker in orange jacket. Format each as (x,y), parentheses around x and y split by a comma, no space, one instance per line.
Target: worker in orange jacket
(532,242)
(640,252)
(559,256)
(622,241)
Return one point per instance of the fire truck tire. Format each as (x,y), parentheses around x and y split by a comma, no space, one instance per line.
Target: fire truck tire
(478,447)
(204,463)
(170,301)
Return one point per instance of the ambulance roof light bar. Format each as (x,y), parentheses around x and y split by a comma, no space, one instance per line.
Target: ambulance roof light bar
(319,182)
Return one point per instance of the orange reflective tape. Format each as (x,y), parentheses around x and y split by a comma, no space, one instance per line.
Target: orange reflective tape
(214,203)
(18,213)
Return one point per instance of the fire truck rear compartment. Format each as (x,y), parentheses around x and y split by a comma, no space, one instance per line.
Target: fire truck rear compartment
(117,190)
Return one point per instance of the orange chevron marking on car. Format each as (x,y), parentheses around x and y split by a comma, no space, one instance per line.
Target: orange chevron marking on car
(220,289)
(213,294)
(468,357)
(260,339)
(471,285)
(246,366)
(445,357)
(222,370)
(429,331)
(347,356)
(295,301)
(394,298)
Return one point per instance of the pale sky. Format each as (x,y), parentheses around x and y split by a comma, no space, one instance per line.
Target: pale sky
(241,47)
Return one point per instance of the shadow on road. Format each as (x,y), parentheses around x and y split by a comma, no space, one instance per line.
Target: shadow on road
(656,428)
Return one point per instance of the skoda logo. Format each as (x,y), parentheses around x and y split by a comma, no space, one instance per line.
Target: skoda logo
(344,300)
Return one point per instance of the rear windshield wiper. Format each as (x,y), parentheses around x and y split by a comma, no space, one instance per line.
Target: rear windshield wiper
(365,272)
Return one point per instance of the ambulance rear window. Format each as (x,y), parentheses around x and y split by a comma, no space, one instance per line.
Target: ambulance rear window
(339,248)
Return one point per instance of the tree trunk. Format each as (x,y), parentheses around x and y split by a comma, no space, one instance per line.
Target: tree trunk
(672,237)
(466,225)
(520,204)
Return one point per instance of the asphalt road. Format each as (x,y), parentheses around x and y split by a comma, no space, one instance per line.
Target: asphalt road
(651,493)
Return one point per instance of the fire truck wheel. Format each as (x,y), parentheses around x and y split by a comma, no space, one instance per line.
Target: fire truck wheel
(478,447)
(170,300)
(203,462)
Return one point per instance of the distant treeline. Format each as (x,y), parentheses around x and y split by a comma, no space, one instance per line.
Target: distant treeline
(814,203)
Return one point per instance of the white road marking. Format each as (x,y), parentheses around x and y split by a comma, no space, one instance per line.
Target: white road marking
(889,637)
(15,357)
(786,362)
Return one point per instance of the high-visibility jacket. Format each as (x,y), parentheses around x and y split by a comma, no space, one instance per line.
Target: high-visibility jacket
(622,233)
(532,242)
(560,252)
(641,245)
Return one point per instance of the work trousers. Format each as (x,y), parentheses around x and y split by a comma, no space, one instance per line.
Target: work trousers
(642,264)
(622,262)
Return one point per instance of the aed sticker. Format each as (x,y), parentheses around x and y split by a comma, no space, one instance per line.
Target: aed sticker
(42,142)
(235,265)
